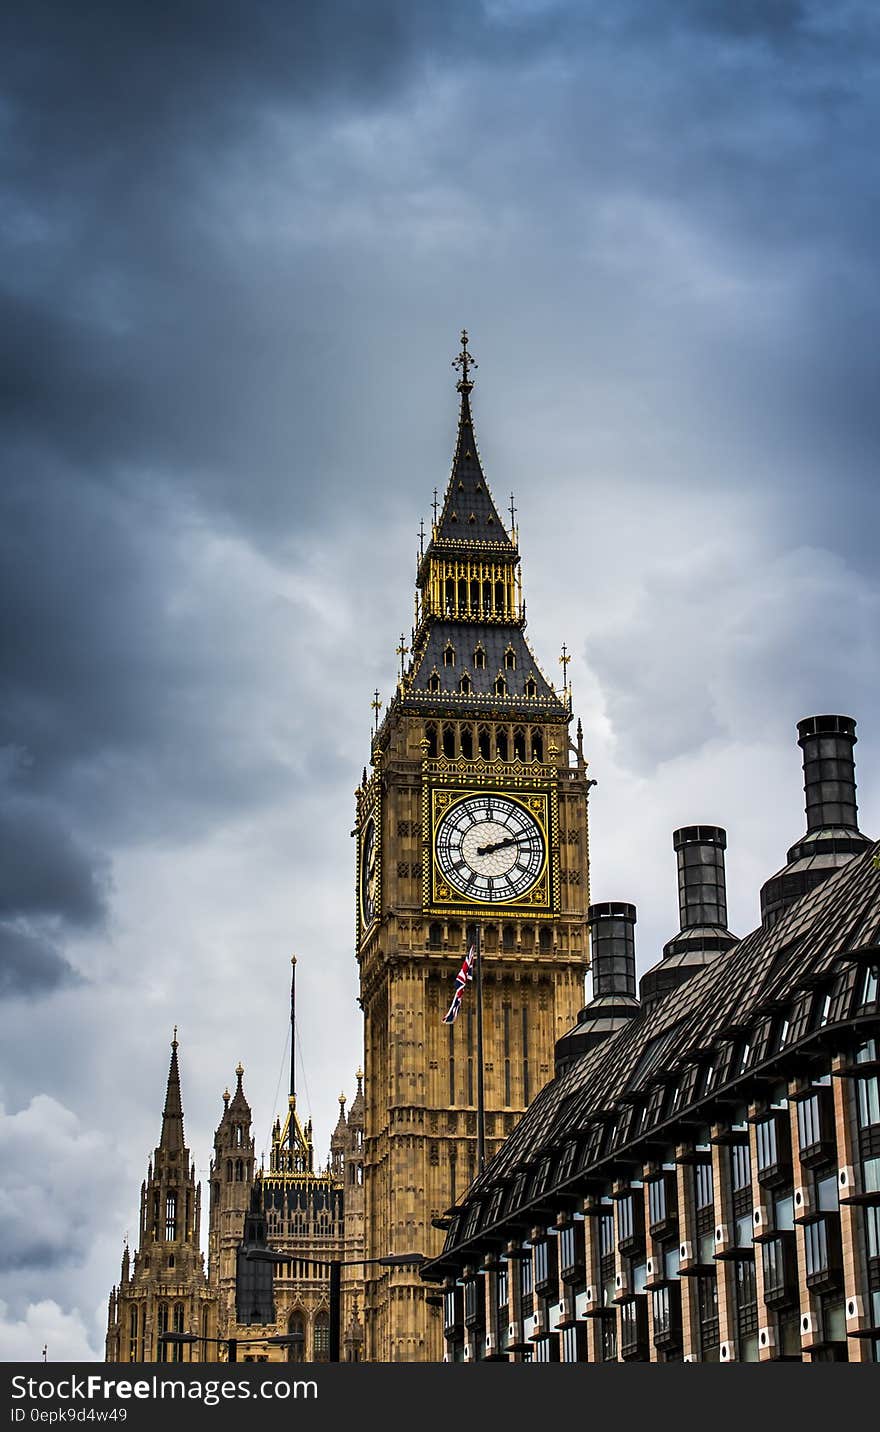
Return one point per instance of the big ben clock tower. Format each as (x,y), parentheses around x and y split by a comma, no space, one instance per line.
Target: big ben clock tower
(475,814)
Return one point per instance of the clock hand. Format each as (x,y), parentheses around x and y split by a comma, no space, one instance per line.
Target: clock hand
(499,845)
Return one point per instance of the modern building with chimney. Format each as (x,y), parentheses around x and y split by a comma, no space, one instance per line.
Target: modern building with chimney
(700,1181)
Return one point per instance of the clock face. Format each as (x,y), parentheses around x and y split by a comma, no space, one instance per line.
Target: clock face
(490,848)
(368,874)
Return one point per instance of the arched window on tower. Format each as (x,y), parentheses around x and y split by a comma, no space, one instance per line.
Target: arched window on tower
(133,1333)
(239,1136)
(229,1170)
(501,744)
(462,593)
(449,742)
(487,598)
(508,938)
(177,1348)
(499,597)
(171,1216)
(449,654)
(467,742)
(161,1327)
(510,659)
(475,595)
(531,687)
(545,940)
(431,738)
(435,935)
(500,686)
(322,1337)
(519,744)
(239,1171)
(450,594)
(537,746)
(464,685)
(296,1329)
(434,683)
(484,743)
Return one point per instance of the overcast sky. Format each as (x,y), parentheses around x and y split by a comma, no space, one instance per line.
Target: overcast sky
(239,242)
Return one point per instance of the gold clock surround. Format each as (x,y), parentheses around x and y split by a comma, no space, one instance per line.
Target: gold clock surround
(441,897)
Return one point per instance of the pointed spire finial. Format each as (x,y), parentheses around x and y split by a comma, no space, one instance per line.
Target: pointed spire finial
(172,1114)
(402,651)
(564,659)
(239,1071)
(465,361)
(376,706)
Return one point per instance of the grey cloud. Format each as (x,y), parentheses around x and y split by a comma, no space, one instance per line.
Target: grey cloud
(31,965)
(43,868)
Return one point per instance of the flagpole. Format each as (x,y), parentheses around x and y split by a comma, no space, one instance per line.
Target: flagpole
(481,1110)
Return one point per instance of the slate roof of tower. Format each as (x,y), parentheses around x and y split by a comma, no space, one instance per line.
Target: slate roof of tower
(469,514)
(496,641)
(601,1101)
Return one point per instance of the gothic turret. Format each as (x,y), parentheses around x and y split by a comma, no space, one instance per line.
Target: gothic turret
(232,1179)
(468,642)
(163,1287)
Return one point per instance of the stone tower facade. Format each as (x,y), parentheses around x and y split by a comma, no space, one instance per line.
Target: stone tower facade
(475,814)
(164,1288)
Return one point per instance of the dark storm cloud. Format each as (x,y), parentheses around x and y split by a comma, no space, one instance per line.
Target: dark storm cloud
(226,224)
(30,965)
(43,869)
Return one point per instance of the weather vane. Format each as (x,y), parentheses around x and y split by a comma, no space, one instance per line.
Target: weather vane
(465,361)
(376,705)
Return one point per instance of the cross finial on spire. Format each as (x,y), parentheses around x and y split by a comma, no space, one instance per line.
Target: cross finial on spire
(435,505)
(564,659)
(465,362)
(402,651)
(174,1038)
(512,515)
(376,705)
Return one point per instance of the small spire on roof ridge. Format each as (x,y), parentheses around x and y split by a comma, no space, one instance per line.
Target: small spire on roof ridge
(342,1099)
(226,1096)
(465,361)
(239,1071)
(174,1038)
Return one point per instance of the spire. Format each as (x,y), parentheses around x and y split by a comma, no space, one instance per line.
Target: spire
(172,1114)
(469,513)
(293,1029)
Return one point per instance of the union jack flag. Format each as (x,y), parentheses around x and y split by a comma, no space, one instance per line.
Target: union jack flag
(465,974)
